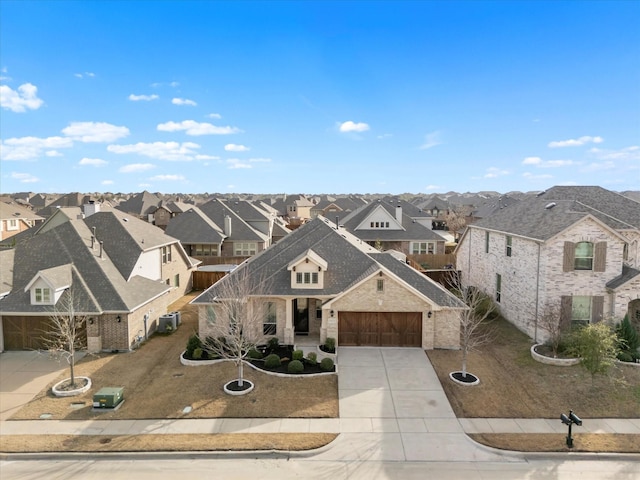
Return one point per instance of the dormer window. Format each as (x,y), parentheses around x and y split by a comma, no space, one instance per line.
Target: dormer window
(43,295)
(307,270)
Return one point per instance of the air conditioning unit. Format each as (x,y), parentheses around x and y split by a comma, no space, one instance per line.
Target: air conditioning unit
(167,322)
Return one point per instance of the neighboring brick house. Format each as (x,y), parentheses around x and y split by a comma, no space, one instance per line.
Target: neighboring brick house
(321,281)
(125,273)
(577,247)
(166,211)
(15,218)
(142,205)
(386,225)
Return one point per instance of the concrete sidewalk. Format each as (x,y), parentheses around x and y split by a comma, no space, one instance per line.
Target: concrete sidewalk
(387,413)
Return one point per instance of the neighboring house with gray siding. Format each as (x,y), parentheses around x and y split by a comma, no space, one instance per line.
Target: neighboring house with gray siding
(577,247)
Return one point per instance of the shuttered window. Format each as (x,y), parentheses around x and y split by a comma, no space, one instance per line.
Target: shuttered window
(584,256)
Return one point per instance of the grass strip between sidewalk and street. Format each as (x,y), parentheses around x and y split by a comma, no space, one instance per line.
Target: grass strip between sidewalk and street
(556,442)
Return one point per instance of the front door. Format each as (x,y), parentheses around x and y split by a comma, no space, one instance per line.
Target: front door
(301,316)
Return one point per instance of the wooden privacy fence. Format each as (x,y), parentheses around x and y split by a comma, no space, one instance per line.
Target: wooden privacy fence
(203,280)
(428,261)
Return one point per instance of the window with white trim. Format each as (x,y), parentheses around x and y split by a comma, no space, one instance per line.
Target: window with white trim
(583,259)
(43,295)
(418,248)
(166,254)
(12,224)
(380,285)
(498,287)
(270,319)
(509,245)
(245,249)
(580,310)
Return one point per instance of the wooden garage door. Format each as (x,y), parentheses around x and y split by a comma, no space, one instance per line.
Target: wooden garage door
(27,333)
(380,329)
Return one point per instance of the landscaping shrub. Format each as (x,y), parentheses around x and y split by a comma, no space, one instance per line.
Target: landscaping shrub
(312,357)
(295,366)
(193,343)
(255,354)
(326,365)
(273,343)
(297,355)
(628,340)
(197,353)
(625,356)
(272,361)
(330,345)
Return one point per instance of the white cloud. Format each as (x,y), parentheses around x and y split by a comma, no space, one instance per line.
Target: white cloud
(142,98)
(432,188)
(93,132)
(26,97)
(193,128)
(85,74)
(53,153)
(575,142)
(28,148)
(596,166)
(384,135)
(431,140)
(232,147)
(260,160)
(350,126)
(235,163)
(4,77)
(94,162)
(183,101)
(627,153)
(106,182)
(172,151)
(538,162)
(160,84)
(532,161)
(136,167)
(493,172)
(24,177)
(144,185)
(214,115)
(163,178)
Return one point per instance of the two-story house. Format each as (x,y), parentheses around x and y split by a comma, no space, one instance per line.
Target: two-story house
(320,281)
(122,272)
(575,247)
(15,218)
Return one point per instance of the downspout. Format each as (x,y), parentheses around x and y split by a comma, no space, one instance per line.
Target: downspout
(535,331)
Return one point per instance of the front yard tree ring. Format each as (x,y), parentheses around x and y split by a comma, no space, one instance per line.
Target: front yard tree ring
(63,388)
(460,379)
(233,387)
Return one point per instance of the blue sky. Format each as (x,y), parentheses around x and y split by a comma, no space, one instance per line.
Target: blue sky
(318,97)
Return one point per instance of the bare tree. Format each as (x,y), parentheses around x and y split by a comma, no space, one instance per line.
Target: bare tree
(474,330)
(456,218)
(549,321)
(235,319)
(66,334)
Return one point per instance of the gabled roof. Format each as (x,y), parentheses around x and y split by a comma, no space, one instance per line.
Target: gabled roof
(193,227)
(308,255)
(96,280)
(57,278)
(14,211)
(6,271)
(413,231)
(545,215)
(349,261)
(140,204)
(217,210)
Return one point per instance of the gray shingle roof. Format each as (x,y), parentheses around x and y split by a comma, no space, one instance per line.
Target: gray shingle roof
(96,281)
(348,263)
(627,274)
(530,218)
(216,210)
(194,227)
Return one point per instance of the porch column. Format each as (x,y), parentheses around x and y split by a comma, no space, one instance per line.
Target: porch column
(288,322)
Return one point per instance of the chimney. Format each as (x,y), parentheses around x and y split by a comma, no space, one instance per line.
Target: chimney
(227,225)
(399,214)
(91,208)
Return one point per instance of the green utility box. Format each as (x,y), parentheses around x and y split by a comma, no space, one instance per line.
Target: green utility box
(108,397)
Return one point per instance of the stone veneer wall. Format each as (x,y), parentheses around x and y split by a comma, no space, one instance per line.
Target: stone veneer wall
(177,265)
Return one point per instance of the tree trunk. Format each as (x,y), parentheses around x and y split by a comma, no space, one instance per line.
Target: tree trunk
(464,363)
(240,373)
(72,364)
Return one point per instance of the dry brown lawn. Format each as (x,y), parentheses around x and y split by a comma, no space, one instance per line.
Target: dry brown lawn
(556,442)
(513,385)
(156,385)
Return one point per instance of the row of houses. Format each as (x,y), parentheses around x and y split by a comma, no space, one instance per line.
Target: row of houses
(344,277)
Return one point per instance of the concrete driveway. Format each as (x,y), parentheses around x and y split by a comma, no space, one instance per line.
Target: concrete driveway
(393,408)
(22,376)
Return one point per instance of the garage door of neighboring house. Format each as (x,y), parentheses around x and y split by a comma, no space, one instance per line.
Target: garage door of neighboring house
(26,333)
(380,329)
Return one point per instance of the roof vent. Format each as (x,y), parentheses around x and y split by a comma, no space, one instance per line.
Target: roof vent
(549,206)
(539,194)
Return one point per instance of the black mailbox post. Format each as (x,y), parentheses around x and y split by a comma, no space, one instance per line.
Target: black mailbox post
(570,420)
